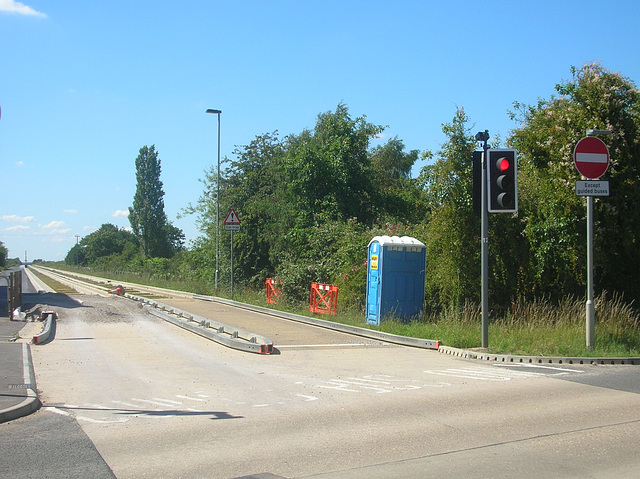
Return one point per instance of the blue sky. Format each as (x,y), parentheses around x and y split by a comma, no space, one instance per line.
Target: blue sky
(85,85)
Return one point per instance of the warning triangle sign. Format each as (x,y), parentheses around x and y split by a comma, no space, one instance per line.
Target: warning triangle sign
(232,218)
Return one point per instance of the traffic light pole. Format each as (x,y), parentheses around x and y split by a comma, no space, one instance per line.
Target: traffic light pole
(485,241)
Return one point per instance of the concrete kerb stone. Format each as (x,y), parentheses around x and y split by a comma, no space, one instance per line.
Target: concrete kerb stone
(513,359)
(46,331)
(31,403)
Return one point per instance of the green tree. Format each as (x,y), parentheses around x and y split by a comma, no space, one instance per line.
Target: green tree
(452,233)
(157,237)
(107,241)
(400,198)
(329,169)
(553,216)
(3,255)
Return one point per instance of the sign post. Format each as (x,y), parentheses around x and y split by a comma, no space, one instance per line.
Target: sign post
(591,157)
(232,223)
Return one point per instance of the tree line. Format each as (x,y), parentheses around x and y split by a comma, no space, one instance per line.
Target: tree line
(311,202)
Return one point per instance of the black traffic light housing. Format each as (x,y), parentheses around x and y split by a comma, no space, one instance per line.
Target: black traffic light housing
(502,181)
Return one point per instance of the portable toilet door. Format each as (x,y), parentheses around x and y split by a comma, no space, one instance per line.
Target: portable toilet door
(373,283)
(395,277)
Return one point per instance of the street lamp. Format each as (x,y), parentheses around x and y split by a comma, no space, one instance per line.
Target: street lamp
(217,112)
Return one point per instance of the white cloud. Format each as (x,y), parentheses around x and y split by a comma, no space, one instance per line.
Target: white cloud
(19,163)
(120,214)
(60,239)
(16,218)
(89,228)
(71,212)
(11,6)
(18,228)
(54,225)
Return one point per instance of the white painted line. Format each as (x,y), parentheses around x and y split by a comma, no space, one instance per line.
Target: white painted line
(464,376)
(339,388)
(100,421)
(177,403)
(307,398)
(156,403)
(128,404)
(490,373)
(375,381)
(98,406)
(57,411)
(337,345)
(190,398)
(518,365)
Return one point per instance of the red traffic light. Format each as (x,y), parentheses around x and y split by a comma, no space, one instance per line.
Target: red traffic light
(503,164)
(502,188)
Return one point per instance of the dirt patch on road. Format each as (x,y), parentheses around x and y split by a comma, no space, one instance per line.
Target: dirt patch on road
(94,309)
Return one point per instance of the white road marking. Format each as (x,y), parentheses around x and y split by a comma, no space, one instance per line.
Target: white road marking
(156,403)
(128,404)
(335,345)
(57,411)
(540,366)
(177,403)
(482,373)
(190,398)
(101,421)
(307,398)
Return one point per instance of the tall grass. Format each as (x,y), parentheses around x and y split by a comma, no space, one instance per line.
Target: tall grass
(537,328)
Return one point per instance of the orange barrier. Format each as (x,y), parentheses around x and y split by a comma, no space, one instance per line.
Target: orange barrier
(323,299)
(273,290)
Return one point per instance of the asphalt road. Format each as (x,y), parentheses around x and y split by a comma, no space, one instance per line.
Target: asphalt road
(157,401)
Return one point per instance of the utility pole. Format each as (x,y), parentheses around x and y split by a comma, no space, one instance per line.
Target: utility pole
(77,246)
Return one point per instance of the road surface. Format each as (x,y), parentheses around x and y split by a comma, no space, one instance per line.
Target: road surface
(158,401)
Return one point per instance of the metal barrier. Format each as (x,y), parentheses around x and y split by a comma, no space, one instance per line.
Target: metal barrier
(323,298)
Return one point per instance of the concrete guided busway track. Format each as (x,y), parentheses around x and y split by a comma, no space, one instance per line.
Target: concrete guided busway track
(227,335)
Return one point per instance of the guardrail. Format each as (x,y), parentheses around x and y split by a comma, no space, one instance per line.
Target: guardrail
(344,328)
(219,332)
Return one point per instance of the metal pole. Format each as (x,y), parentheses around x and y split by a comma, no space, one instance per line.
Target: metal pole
(217,112)
(218,208)
(231,264)
(77,239)
(485,252)
(590,307)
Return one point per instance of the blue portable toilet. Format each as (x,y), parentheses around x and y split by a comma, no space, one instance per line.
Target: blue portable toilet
(395,277)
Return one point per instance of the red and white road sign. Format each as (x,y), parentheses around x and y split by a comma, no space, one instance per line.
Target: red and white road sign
(591,157)
(232,218)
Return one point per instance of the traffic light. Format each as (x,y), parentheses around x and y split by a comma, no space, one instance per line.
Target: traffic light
(502,181)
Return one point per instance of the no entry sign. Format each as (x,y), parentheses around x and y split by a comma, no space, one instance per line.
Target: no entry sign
(591,157)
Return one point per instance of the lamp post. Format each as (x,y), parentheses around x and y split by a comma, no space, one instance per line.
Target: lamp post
(217,112)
